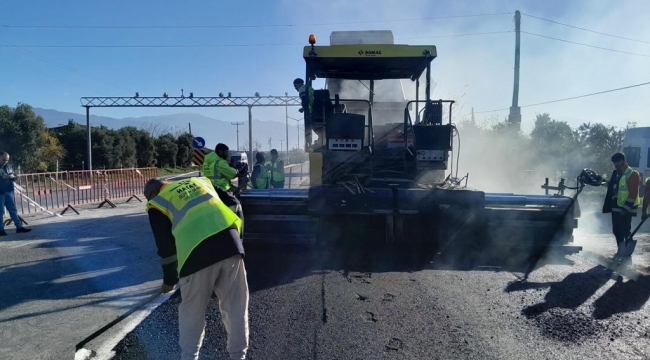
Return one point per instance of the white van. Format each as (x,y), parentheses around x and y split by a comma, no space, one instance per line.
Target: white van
(636,148)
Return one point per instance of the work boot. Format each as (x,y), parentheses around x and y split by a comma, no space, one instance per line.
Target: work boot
(3,233)
(23,230)
(621,247)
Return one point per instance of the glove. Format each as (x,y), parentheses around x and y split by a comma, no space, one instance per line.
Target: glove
(301,110)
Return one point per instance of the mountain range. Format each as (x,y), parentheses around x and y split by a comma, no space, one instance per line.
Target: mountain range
(212,130)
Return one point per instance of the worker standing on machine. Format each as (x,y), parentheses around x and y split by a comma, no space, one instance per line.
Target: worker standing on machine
(276,169)
(217,168)
(198,240)
(622,199)
(260,177)
(299,85)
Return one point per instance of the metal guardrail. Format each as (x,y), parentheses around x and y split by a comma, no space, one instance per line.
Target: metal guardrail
(65,190)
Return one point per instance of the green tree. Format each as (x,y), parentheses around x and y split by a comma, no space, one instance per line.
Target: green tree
(103,139)
(51,152)
(124,149)
(21,135)
(144,144)
(73,138)
(184,154)
(166,148)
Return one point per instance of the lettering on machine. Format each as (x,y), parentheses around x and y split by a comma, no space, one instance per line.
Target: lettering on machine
(369,52)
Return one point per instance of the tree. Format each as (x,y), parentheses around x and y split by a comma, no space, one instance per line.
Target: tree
(156,130)
(124,149)
(597,143)
(103,140)
(167,149)
(184,154)
(144,145)
(21,135)
(51,152)
(73,138)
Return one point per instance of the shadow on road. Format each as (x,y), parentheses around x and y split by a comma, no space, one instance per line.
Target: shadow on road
(79,258)
(623,297)
(270,266)
(569,293)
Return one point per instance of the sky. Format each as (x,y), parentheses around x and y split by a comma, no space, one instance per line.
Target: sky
(256,46)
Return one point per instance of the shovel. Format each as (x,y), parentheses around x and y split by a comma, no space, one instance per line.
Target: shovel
(629,245)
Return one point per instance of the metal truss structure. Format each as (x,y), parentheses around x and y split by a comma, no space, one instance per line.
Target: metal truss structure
(186,101)
(190,101)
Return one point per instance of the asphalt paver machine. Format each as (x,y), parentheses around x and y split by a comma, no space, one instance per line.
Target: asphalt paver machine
(377,169)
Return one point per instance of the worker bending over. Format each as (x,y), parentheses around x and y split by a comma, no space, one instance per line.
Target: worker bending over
(260,178)
(622,199)
(276,170)
(216,167)
(198,239)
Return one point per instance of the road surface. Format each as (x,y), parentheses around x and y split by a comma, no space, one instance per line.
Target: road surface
(72,275)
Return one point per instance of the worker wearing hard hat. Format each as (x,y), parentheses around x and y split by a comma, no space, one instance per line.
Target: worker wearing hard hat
(276,170)
(217,168)
(198,239)
(622,199)
(260,178)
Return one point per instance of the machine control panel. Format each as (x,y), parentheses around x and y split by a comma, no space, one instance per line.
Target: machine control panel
(431,155)
(345,144)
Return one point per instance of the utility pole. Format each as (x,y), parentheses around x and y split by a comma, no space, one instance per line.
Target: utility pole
(237,124)
(473,120)
(281,141)
(514,119)
(270,144)
(286,124)
(190,126)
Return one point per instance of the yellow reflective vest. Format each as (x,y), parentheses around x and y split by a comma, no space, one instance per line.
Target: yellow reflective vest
(196,213)
(301,91)
(263,180)
(277,170)
(213,168)
(624,192)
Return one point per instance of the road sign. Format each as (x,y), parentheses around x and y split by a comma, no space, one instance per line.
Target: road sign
(198,143)
(198,157)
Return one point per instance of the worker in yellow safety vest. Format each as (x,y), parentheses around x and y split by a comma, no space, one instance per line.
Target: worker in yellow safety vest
(260,178)
(198,239)
(299,85)
(622,199)
(276,170)
(216,167)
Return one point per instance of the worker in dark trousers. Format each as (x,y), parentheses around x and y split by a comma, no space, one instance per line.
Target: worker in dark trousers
(198,240)
(7,198)
(260,177)
(276,170)
(622,199)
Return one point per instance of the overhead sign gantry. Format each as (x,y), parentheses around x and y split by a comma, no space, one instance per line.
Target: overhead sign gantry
(187,101)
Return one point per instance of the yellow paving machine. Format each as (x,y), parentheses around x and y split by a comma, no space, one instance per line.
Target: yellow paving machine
(378,163)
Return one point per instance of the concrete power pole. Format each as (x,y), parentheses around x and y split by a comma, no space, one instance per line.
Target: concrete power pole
(514,119)
(237,123)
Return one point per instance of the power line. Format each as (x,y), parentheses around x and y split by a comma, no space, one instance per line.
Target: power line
(569,98)
(46,74)
(240,26)
(588,30)
(62,66)
(587,45)
(229,45)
